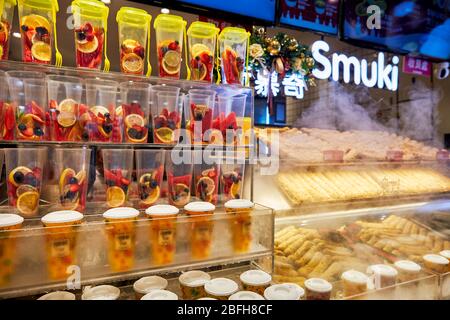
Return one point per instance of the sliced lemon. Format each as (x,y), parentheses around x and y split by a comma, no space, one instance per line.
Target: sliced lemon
(66,119)
(67,105)
(66,174)
(130,44)
(24,188)
(28,202)
(172,59)
(115,197)
(89,46)
(41,51)
(145,178)
(209,183)
(34,21)
(23,170)
(182,196)
(165,135)
(99,110)
(199,73)
(134,120)
(199,48)
(132,63)
(153,197)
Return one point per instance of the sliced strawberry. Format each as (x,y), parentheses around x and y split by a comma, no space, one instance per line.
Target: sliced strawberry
(216,123)
(37,110)
(165,112)
(231,122)
(173,45)
(10,119)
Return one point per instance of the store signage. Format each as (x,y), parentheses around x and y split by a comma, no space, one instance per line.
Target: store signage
(293,85)
(417,66)
(380,74)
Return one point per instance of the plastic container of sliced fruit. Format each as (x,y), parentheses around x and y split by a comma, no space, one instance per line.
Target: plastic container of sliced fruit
(37,28)
(6,18)
(202,38)
(169,39)
(233,47)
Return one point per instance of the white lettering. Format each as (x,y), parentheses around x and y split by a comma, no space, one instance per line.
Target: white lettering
(374,19)
(347,63)
(316,49)
(364,73)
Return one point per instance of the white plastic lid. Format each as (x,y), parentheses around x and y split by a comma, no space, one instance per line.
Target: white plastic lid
(382,269)
(445,254)
(199,206)
(194,278)
(435,258)
(255,277)
(221,287)
(206,298)
(162,210)
(284,291)
(318,285)
(58,295)
(239,204)
(121,213)
(147,284)
(246,295)
(355,276)
(103,292)
(10,219)
(63,216)
(407,265)
(160,295)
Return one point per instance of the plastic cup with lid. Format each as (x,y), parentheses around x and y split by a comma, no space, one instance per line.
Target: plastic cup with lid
(318,289)
(160,295)
(354,282)
(120,229)
(8,223)
(61,237)
(284,291)
(255,280)
(221,288)
(445,254)
(58,295)
(241,223)
(246,295)
(407,270)
(191,284)
(163,232)
(202,227)
(436,263)
(382,275)
(103,292)
(147,284)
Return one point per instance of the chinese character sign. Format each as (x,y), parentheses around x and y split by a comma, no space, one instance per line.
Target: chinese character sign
(294,85)
(417,66)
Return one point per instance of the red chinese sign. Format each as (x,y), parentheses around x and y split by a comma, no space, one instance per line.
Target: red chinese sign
(417,66)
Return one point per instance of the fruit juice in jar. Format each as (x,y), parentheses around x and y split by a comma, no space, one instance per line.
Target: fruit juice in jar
(24,178)
(202,227)
(98,118)
(233,44)
(37,22)
(150,172)
(61,236)
(231,181)
(231,108)
(90,19)
(241,223)
(167,119)
(202,38)
(8,222)
(135,111)
(117,166)
(120,229)
(201,106)
(64,95)
(6,18)
(134,34)
(163,233)
(72,167)
(170,30)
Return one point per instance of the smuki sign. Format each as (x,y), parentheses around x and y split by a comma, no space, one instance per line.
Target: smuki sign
(377,73)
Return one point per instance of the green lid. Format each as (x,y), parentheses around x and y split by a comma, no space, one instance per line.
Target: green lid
(138,17)
(39,4)
(199,29)
(233,34)
(169,22)
(90,8)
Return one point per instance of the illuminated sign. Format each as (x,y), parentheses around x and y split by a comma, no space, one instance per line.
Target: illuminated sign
(377,73)
(293,85)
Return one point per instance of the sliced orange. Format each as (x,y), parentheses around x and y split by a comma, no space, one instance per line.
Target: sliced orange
(210,185)
(134,120)
(115,197)
(130,44)
(171,62)
(132,63)
(75,133)
(34,21)
(22,169)
(67,105)
(89,46)
(165,135)
(153,197)
(24,188)
(66,174)
(29,118)
(235,190)
(41,51)
(182,197)
(27,202)
(99,110)
(145,179)
(143,139)
(103,132)
(66,119)
(199,73)
(199,48)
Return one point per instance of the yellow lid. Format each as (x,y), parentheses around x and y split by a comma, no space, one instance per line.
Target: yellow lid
(13,2)
(233,34)
(199,29)
(91,8)
(39,4)
(138,17)
(169,22)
